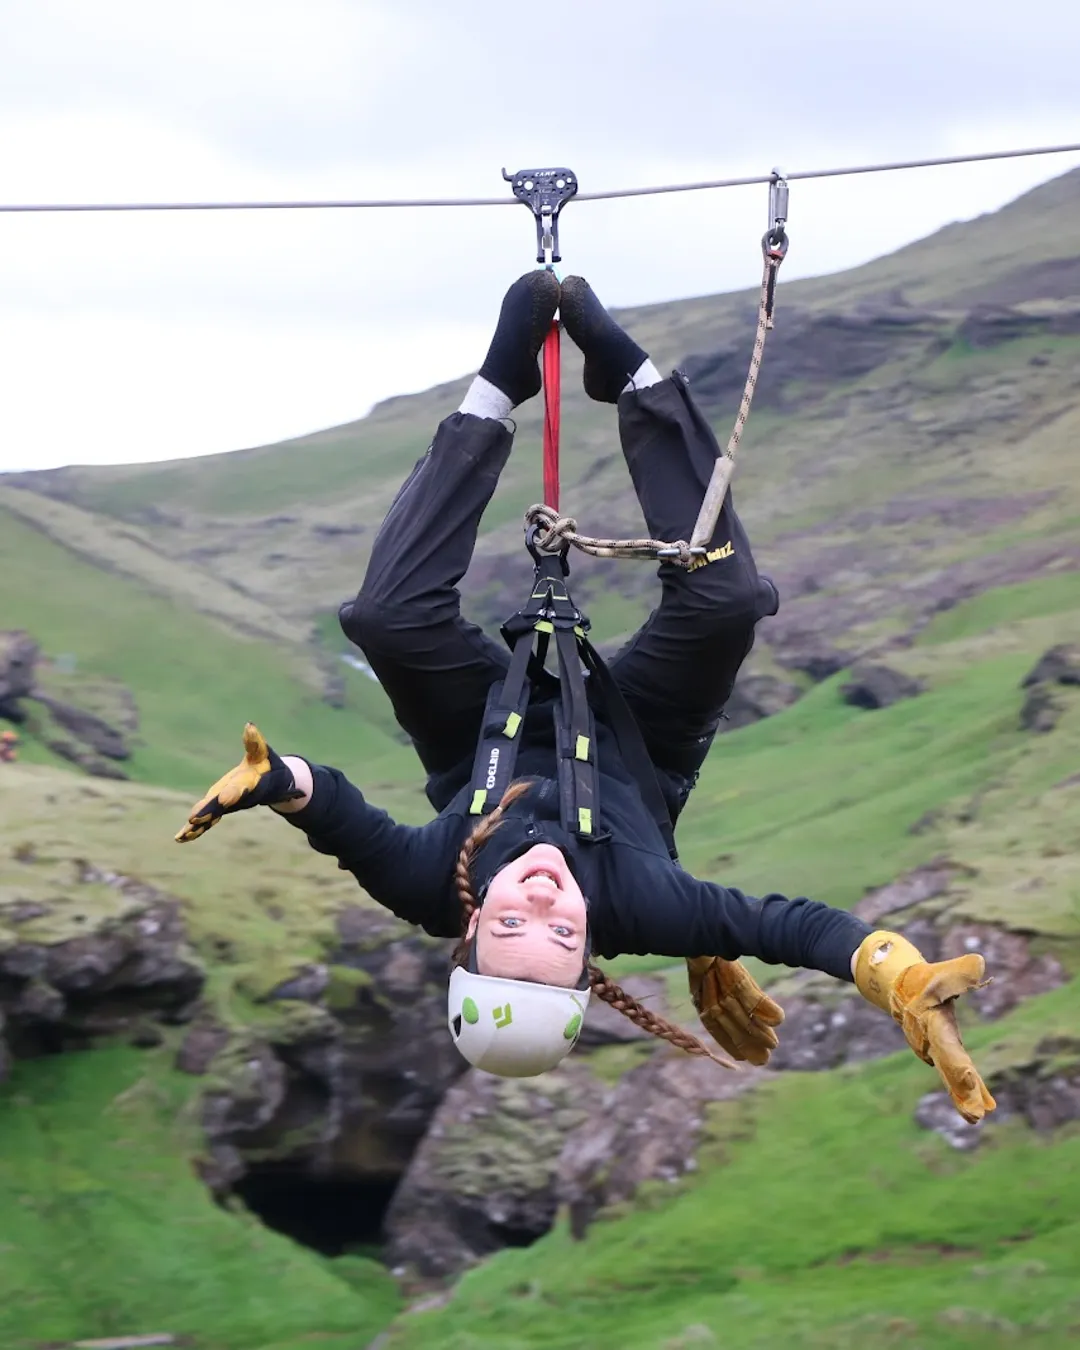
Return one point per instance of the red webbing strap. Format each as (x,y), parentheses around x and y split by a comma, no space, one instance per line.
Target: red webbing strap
(552,396)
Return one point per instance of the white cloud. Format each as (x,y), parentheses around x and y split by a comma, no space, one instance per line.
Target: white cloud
(95,388)
(127,336)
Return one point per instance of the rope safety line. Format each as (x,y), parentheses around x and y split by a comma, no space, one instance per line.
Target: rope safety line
(20,208)
(724,467)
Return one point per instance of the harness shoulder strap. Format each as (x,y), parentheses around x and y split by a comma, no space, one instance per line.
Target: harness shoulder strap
(550,613)
(631,743)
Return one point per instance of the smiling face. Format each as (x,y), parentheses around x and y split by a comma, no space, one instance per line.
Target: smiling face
(531,925)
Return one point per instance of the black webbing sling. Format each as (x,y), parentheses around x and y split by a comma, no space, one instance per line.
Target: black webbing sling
(550,613)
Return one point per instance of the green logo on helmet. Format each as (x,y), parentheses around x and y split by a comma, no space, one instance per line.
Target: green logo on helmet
(503,1016)
(470,1012)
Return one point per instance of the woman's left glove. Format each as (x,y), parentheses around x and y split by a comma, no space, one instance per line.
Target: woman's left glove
(734,1009)
(260,779)
(919,994)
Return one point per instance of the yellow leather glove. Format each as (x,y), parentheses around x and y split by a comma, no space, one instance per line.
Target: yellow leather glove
(894,976)
(260,779)
(733,1008)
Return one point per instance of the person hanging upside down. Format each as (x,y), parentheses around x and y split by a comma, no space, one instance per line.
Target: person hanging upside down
(528,899)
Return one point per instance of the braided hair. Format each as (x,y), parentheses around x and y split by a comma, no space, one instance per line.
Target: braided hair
(602,985)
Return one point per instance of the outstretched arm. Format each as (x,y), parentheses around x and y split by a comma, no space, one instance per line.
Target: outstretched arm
(409,869)
(686,917)
(672,913)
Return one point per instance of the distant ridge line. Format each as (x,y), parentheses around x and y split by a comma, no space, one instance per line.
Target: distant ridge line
(26,208)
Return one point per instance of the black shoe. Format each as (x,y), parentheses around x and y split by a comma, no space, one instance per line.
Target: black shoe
(527,313)
(611,356)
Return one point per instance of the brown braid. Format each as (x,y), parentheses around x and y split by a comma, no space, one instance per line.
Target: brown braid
(481,833)
(615,997)
(602,985)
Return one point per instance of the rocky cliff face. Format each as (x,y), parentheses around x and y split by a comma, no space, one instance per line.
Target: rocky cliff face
(88,721)
(67,979)
(339,1113)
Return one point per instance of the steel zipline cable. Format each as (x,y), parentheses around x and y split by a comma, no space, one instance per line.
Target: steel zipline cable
(27,208)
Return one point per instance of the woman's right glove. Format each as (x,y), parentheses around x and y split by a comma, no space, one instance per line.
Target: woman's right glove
(260,779)
(895,977)
(734,1009)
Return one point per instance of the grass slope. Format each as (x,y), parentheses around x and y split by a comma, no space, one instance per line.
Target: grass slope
(196,681)
(288,527)
(866,1231)
(826,1218)
(108,1232)
(877,488)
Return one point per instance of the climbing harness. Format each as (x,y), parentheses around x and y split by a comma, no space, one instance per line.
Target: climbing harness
(545,192)
(550,614)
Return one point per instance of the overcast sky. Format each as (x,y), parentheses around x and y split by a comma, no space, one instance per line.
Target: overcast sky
(127,338)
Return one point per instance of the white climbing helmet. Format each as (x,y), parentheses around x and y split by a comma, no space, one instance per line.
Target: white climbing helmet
(513,1028)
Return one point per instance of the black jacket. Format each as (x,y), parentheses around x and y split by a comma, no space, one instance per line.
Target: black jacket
(639,901)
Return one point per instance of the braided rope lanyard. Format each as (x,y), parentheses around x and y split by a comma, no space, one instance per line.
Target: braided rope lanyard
(554,532)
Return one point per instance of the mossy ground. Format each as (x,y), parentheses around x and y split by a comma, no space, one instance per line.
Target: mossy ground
(821,1215)
(107,1230)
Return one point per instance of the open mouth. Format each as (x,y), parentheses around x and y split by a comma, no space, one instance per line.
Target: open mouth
(542,872)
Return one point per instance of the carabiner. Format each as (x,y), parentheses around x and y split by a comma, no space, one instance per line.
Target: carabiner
(774,244)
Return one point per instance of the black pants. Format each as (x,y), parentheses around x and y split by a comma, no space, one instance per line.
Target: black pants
(678,670)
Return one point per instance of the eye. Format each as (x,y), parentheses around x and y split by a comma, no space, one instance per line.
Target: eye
(510,922)
(561,930)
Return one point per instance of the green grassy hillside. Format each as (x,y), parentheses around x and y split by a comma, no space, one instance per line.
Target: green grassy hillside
(107,1229)
(948,437)
(196,680)
(865,1230)
(924,510)
(826,1218)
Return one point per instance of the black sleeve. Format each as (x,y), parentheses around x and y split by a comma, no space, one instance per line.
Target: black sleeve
(407,868)
(671,913)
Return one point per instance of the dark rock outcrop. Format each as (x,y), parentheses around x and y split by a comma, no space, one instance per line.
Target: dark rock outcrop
(1058,665)
(758,696)
(503,1156)
(1043,707)
(394,1071)
(18,658)
(1044,1091)
(485,1175)
(87,729)
(827,1024)
(65,712)
(813,352)
(356,1073)
(60,986)
(201,1046)
(988,326)
(646,1128)
(875,686)
(913,888)
(811,654)
(1041,710)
